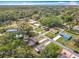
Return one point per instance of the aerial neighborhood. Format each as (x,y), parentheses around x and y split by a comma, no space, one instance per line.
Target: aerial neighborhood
(39,31)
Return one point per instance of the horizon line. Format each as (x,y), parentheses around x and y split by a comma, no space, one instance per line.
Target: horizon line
(39,2)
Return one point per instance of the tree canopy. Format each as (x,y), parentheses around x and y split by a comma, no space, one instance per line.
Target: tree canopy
(51,51)
(51,21)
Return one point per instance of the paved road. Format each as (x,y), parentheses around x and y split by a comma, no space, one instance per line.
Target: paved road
(59,44)
(64,47)
(54,41)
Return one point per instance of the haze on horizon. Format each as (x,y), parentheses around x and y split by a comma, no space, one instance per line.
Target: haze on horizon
(39,2)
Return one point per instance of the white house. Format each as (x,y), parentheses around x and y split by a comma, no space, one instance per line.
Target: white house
(11,30)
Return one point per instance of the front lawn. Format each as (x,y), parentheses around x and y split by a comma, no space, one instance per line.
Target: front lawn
(50,35)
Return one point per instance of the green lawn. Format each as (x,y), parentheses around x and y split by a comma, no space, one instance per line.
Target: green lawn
(61,40)
(50,35)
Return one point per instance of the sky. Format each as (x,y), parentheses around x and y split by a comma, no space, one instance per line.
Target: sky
(32,2)
(39,0)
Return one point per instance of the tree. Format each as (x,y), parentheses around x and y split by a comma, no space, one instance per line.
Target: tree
(77,42)
(7,16)
(25,27)
(76,17)
(67,18)
(51,21)
(56,12)
(24,51)
(11,47)
(35,17)
(51,51)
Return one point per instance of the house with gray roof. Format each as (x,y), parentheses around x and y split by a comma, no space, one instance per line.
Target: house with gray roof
(76,29)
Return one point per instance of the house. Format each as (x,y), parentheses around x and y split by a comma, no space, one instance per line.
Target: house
(67,54)
(66,36)
(12,30)
(32,42)
(76,29)
(38,48)
(53,30)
